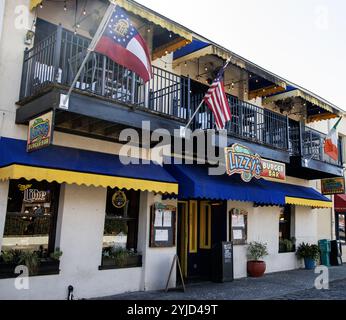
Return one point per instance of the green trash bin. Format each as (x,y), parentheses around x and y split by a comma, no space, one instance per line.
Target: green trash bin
(325,248)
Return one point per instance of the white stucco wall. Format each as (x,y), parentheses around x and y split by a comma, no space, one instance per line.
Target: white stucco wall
(3,207)
(263,226)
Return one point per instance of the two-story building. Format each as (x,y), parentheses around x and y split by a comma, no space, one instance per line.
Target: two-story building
(77,196)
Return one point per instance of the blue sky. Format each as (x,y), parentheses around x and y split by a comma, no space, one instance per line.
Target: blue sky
(303,41)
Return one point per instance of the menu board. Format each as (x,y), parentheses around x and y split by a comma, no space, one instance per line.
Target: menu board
(162,226)
(238,226)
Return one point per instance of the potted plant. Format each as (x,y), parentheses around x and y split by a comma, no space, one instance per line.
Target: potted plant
(255,252)
(310,253)
(8,262)
(31,260)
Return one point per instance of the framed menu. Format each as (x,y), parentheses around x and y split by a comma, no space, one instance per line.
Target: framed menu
(162,226)
(238,226)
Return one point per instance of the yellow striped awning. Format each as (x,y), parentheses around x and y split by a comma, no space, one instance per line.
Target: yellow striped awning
(297,93)
(86,179)
(34,3)
(309,202)
(154,17)
(145,13)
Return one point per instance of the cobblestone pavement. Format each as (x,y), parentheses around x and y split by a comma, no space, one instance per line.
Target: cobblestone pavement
(336,291)
(291,285)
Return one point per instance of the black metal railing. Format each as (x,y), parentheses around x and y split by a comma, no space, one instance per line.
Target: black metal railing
(308,143)
(248,122)
(57,59)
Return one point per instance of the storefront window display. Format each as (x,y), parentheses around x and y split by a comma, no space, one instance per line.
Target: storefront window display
(121,229)
(30,225)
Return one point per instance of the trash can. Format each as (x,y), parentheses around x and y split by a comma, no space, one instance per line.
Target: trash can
(325,249)
(336,253)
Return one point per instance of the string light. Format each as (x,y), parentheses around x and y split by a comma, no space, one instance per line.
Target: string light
(185,64)
(41,5)
(65,6)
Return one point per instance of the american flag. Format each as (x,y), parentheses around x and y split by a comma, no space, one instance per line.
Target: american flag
(122,43)
(217,101)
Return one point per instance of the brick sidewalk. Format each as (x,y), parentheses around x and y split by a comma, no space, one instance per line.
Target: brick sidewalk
(297,284)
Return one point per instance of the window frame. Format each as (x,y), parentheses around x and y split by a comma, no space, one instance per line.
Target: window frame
(55,196)
(337,231)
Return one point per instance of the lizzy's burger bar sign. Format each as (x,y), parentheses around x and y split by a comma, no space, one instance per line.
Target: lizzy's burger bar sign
(40,132)
(273,170)
(241,160)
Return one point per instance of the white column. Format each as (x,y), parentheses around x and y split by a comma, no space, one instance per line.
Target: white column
(3,207)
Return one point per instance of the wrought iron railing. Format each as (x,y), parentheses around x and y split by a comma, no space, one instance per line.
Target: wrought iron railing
(308,143)
(248,122)
(58,58)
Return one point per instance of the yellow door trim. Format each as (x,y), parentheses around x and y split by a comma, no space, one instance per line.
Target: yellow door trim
(193,239)
(184,236)
(205,233)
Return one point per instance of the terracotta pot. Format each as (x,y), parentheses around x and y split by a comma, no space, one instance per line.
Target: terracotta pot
(256,269)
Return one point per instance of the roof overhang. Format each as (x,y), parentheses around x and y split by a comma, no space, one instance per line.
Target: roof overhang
(198,49)
(331,111)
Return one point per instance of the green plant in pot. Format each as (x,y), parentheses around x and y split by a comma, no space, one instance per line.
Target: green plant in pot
(56,255)
(310,253)
(31,260)
(120,256)
(255,252)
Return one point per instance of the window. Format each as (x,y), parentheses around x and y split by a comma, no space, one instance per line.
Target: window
(340,227)
(30,229)
(286,241)
(193,227)
(31,216)
(205,226)
(121,229)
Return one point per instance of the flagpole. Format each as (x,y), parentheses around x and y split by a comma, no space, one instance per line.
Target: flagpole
(91,48)
(201,104)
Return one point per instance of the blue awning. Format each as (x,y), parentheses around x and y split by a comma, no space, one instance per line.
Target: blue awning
(196,183)
(68,165)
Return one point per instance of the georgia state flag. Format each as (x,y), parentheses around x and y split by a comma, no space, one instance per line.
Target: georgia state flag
(123,44)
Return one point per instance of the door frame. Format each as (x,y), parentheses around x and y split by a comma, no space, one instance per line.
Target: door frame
(184,240)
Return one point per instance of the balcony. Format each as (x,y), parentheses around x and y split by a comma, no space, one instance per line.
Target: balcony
(308,159)
(109,97)
(264,131)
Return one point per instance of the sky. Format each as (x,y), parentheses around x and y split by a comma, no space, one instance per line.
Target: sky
(303,41)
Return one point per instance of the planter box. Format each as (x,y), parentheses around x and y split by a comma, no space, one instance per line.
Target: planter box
(130,262)
(46,267)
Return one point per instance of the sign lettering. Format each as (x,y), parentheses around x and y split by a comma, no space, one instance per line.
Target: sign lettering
(333,186)
(40,132)
(240,159)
